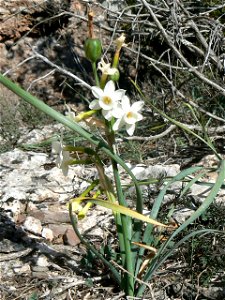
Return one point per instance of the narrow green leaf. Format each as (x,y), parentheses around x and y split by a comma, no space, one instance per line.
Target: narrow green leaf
(148,237)
(178,177)
(162,253)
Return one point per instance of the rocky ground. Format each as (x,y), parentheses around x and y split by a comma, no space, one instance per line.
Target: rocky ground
(40,255)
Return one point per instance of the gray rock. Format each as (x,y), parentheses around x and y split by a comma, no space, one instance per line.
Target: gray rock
(33,225)
(47,234)
(182,215)
(22,269)
(7,246)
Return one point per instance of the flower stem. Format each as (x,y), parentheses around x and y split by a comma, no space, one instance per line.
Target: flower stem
(95,73)
(126,230)
(127,234)
(116,59)
(103,80)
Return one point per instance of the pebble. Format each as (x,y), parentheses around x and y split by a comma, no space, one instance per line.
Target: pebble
(33,225)
(70,238)
(47,234)
(24,269)
(42,261)
(39,269)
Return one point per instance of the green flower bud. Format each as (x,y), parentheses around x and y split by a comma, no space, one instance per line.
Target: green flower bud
(115,76)
(93,49)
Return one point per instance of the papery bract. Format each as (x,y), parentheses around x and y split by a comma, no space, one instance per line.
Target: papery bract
(63,157)
(120,41)
(70,114)
(106,68)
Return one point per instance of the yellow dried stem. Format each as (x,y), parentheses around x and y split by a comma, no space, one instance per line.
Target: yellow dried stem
(90,24)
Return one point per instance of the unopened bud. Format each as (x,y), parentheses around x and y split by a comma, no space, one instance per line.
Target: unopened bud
(115,76)
(93,49)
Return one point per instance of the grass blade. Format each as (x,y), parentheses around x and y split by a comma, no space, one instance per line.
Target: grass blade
(162,254)
(148,237)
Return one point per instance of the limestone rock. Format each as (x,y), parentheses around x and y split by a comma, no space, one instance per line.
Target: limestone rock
(47,234)
(33,225)
(42,261)
(23,269)
(7,246)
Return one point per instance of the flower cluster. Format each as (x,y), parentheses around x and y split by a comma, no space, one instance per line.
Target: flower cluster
(115,104)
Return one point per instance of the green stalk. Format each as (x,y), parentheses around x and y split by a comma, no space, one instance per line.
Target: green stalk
(128,277)
(95,73)
(123,221)
(103,80)
(126,234)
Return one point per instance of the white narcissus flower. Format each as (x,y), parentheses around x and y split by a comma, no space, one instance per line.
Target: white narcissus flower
(107,99)
(63,157)
(128,115)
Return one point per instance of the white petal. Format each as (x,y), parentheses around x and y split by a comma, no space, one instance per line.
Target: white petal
(97,92)
(111,71)
(132,119)
(125,103)
(105,106)
(118,95)
(130,129)
(103,66)
(56,147)
(71,115)
(117,112)
(59,160)
(136,106)
(109,87)
(65,169)
(66,155)
(139,117)
(94,105)
(107,114)
(118,124)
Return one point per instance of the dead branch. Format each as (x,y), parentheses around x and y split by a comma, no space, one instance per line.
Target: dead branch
(178,54)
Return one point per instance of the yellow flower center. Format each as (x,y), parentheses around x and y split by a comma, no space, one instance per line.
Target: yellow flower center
(107,100)
(129,115)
